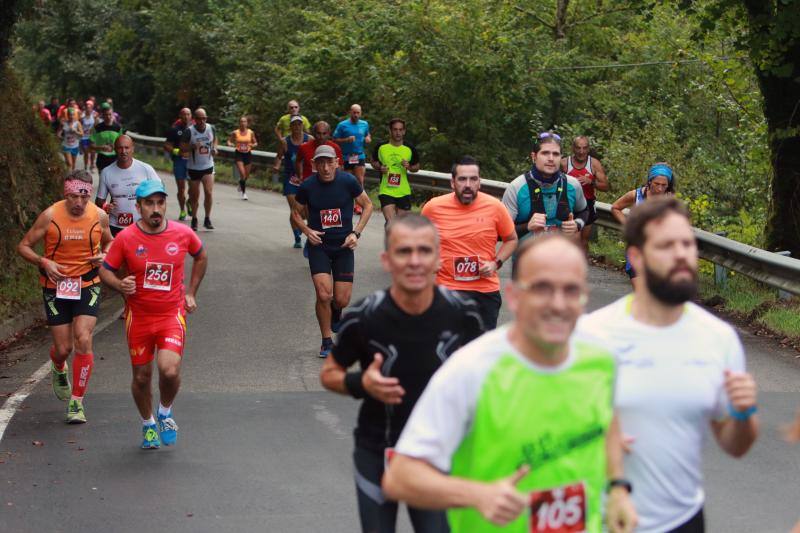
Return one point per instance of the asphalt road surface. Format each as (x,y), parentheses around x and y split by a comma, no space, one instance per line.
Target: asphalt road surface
(262,447)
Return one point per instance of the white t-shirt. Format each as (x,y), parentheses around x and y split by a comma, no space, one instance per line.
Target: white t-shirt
(202,143)
(670,386)
(122,184)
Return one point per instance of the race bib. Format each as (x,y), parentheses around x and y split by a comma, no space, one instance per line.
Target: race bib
(203,150)
(157,276)
(330,218)
(125,219)
(559,510)
(466,268)
(243,147)
(294,180)
(393,180)
(69,289)
(353,159)
(388,453)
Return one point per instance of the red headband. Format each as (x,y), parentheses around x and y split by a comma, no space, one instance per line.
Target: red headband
(78,187)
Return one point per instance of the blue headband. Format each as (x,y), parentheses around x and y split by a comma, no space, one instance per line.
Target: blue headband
(659,170)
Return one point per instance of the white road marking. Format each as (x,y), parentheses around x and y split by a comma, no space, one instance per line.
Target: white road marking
(15,400)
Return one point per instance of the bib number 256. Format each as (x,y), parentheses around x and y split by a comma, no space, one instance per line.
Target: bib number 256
(158,276)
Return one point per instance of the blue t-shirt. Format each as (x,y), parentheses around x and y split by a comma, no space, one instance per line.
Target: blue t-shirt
(330,205)
(359,130)
(291,154)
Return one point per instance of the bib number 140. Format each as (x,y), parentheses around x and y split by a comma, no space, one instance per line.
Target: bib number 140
(559,510)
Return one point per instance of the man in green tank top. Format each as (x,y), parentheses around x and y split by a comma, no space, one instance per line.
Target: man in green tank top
(513,431)
(394,160)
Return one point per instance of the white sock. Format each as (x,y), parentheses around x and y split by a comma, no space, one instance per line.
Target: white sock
(164,411)
(149,421)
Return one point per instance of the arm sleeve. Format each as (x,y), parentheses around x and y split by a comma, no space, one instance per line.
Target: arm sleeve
(115,257)
(414,155)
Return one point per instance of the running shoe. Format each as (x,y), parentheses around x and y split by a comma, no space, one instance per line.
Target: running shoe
(298,244)
(244,196)
(168,429)
(150,440)
(194,223)
(207,223)
(182,216)
(325,349)
(61,386)
(336,318)
(75,414)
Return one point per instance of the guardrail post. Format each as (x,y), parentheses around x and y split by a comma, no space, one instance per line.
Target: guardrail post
(782,294)
(720,272)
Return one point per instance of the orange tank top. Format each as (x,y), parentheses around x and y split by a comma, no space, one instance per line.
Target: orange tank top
(243,140)
(70,242)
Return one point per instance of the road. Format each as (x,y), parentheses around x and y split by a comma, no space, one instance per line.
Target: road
(262,447)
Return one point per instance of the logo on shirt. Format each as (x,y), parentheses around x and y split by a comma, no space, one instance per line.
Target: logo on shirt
(171,248)
(141,251)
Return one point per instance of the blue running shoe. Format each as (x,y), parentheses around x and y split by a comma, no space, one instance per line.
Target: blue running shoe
(150,440)
(168,429)
(325,349)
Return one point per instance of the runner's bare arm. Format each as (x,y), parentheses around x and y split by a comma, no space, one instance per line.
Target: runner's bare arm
(229,142)
(626,200)
(33,237)
(620,512)
(199,266)
(735,436)
(419,484)
(297,215)
(332,375)
(366,205)
(254,141)
(564,165)
(276,166)
(506,249)
(601,179)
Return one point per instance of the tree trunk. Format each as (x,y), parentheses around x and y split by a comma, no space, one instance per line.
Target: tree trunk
(560,28)
(782,112)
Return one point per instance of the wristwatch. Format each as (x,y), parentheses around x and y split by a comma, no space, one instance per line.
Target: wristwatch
(498,262)
(357,234)
(619,482)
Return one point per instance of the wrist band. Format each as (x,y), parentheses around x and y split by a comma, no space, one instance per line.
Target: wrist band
(742,415)
(354,385)
(176,151)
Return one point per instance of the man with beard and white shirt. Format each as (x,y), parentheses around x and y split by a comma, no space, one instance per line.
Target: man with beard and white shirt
(681,370)
(120,180)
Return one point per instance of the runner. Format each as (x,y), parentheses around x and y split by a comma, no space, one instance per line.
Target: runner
(283,128)
(200,141)
(287,153)
(557,202)
(304,164)
(244,139)
(179,162)
(591,175)
(103,137)
(75,235)
(512,429)
(53,108)
(352,134)
(70,133)
(153,251)
(43,113)
(399,336)
(681,372)
(120,180)
(394,160)
(331,238)
(470,224)
(660,181)
(88,119)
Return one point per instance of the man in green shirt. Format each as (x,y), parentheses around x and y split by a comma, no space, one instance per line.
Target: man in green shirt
(394,160)
(516,431)
(104,135)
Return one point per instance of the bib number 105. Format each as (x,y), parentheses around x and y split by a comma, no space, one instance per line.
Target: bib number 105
(559,510)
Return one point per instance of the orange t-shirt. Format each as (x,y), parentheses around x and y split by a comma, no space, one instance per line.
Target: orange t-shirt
(70,242)
(468,235)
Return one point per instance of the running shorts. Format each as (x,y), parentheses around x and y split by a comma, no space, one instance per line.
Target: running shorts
(74,151)
(85,143)
(403,202)
(197,175)
(349,166)
(60,312)
(290,186)
(244,157)
(332,259)
(590,204)
(179,168)
(148,333)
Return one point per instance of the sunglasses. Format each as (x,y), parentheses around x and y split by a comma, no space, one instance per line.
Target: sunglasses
(547,134)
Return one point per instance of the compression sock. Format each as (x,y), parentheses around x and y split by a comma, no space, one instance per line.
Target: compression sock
(242,185)
(81,371)
(164,411)
(53,359)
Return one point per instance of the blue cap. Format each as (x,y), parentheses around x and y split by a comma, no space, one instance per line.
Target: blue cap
(660,169)
(149,187)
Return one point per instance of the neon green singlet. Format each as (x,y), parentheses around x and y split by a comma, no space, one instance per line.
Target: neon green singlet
(394,182)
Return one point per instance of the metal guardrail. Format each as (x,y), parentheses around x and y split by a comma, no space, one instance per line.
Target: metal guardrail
(769,268)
